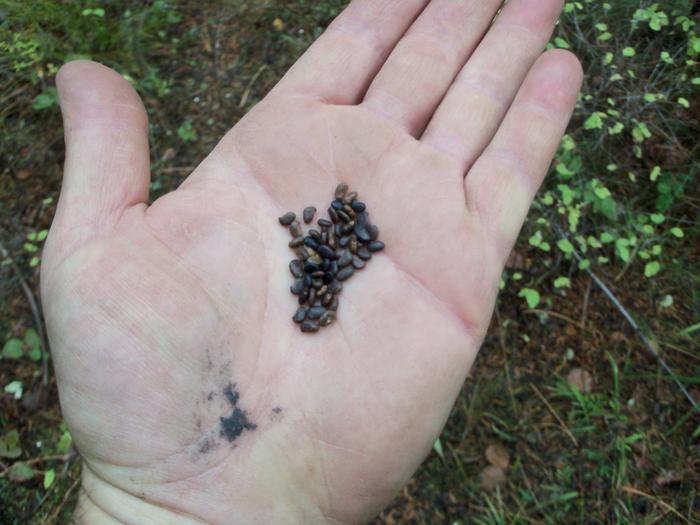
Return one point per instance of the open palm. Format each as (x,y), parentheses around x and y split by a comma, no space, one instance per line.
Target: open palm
(190,393)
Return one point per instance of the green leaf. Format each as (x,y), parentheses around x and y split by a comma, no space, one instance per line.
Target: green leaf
(12,349)
(34,262)
(41,236)
(606,238)
(616,129)
(562,282)
(536,239)
(655,172)
(652,268)
(666,301)
(49,477)
(9,445)
(31,338)
(584,264)
(684,102)
(34,354)
(20,472)
(595,121)
(65,443)
(657,218)
(561,43)
(30,248)
(532,297)
(15,388)
(690,329)
(565,246)
(437,447)
(677,232)
(623,251)
(47,99)
(629,52)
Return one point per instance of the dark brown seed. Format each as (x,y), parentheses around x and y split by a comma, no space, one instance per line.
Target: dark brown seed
(308,214)
(315,234)
(373,232)
(361,224)
(295,229)
(358,206)
(333,269)
(287,218)
(345,273)
(337,205)
(309,327)
(317,274)
(300,314)
(296,268)
(344,216)
(297,287)
(307,280)
(335,287)
(303,253)
(344,241)
(338,230)
(325,252)
(327,300)
(317,284)
(344,259)
(341,190)
(347,228)
(312,296)
(333,214)
(327,318)
(353,244)
(348,209)
(322,291)
(311,267)
(324,237)
(331,241)
(296,242)
(310,242)
(350,196)
(315,312)
(375,246)
(357,263)
(363,253)
(325,223)
(304,296)
(334,304)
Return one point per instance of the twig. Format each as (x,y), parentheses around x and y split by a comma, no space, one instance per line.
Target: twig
(634,325)
(554,413)
(669,508)
(55,514)
(247,91)
(539,311)
(36,312)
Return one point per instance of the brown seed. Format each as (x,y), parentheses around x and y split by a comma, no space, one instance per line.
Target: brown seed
(303,253)
(331,241)
(344,241)
(327,300)
(295,229)
(318,274)
(287,218)
(317,284)
(296,268)
(327,318)
(309,326)
(335,287)
(322,291)
(315,234)
(334,304)
(300,314)
(363,253)
(333,215)
(296,242)
(344,259)
(358,263)
(324,237)
(347,228)
(375,246)
(373,232)
(341,190)
(325,223)
(303,296)
(345,273)
(348,209)
(326,252)
(353,244)
(350,197)
(308,214)
(315,258)
(312,296)
(315,312)
(344,216)
(297,287)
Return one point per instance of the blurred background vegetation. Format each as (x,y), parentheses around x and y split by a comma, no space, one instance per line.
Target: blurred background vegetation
(568,416)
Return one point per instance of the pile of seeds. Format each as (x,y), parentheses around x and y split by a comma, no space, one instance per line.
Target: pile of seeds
(328,256)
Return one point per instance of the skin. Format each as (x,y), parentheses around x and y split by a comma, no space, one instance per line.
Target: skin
(443,123)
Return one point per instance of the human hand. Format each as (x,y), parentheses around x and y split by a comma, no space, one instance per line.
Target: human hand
(160,316)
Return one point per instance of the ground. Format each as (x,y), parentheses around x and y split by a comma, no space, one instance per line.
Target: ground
(568,415)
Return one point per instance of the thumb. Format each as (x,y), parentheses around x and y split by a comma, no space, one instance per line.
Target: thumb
(107,159)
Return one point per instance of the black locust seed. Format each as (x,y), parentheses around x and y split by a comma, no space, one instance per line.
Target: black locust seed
(304,296)
(363,253)
(311,267)
(296,268)
(358,263)
(358,206)
(295,229)
(325,223)
(350,196)
(327,300)
(308,214)
(300,314)
(341,190)
(344,216)
(296,242)
(335,287)
(345,273)
(297,287)
(307,280)
(315,312)
(287,218)
(373,232)
(310,242)
(344,241)
(327,318)
(337,205)
(375,246)
(333,214)
(312,296)
(334,304)
(303,253)
(309,326)
(315,234)
(345,259)
(322,291)
(326,252)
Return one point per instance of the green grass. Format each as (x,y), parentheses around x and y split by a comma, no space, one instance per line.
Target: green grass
(623,189)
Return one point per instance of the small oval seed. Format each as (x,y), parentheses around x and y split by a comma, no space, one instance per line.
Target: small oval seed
(295,229)
(312,296)
(340,190)
(297,287)
(296,268)
(333,214)
(309,327)
(363,253)
(344,259)
(315,312)
(310,242)
(296,242)
(375,246)
(327,300)
(287,218)
(344,216)
(373,232)
(325,223)
(357,263)
(308,214)
(358,206)
(303,253)
(335,287)
(326,252)
(345,273)
(327,318)
(350,196)
(300,314)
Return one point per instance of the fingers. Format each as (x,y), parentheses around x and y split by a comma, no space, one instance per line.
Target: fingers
(340,65)
(424,63)
(106,133)
(477,101)
(501,185)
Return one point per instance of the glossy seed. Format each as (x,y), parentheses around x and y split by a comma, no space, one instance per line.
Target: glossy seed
(326,264)
(324,237)
(317,284)
(310,242)
(304,296)
(333,269)
(326,252)
(303,253)
(322,291)
(375,246)
(295,229)
(347,228)
(338,230)
(328,276)
(358,206)
(344,216)
(344,241)
(334,304)
(337,205)
(335,287)
(333,214)
(300,314)
(311,267)
(296,268)
(350,196)
(327,318)
(315,312)
(325,223)
(308,214)
(296,242)
(353,244)
(317,274)
(312,296)
(373,232)
(340,190)
(287,218)
(332,241)
(345,273)
(327,300)
(357,263)
(344,259)
(316,235)
(307,280)
(297,287)
(309,326)
(363,253)
(316,259)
